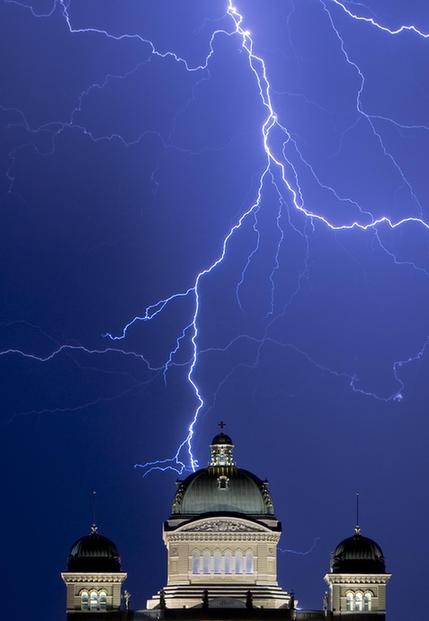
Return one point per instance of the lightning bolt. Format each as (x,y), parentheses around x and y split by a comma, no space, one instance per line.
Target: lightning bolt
(282,170)
(299,553)
(376,24)
(275,166)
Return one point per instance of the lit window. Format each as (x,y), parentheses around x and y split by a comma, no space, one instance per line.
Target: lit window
(196,562)
(84,600)
(206,562)
(228,562)
(217,562)
(102,600)
(249,562)
(359,602)
(349,602)
(238,562)
(367,601)
(93,600)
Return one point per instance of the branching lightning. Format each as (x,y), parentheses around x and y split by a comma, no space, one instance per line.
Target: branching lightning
(376,24)
(281,169)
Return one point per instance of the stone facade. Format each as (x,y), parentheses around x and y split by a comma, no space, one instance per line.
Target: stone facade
(80,584)
(221,541)
(354,593)
(228,556)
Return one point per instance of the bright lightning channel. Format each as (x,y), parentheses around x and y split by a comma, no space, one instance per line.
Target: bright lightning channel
(259,70)
(279,170)
(370,20)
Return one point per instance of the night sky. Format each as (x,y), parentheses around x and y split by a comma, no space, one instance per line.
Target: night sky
(131,142)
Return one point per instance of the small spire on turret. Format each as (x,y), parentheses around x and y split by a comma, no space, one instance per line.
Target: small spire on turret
(94,528)
(357,527)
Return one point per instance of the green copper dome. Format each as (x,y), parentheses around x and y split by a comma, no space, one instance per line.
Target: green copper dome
(222,487)
(211,491)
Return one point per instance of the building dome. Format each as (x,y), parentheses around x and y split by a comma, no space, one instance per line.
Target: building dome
(222,438)
(94,553)
(357,555)
(222,487)
(209,491)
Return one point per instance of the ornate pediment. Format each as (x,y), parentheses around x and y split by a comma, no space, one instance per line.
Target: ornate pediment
(220,526)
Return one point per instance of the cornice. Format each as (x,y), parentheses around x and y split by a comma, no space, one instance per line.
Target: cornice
(357,578)
(220,536)
(223,524)
(74,577)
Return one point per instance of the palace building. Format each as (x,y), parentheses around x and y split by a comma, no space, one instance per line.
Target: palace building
(221,540)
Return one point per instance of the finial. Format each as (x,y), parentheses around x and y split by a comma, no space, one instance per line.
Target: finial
(221,425)
(357,527)
(94,528)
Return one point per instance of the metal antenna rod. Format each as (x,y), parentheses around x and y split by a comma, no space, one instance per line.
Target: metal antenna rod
(357,512)
(94,511)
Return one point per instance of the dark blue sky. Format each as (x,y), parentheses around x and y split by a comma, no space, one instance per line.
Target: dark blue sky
(123,168)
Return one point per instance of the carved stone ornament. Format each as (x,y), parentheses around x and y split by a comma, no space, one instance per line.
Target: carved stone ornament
(71,578)
(217,526)
(351,579)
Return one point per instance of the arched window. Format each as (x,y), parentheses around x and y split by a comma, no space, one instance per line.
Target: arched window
(206,562)
(217,562)
(249,562)
(367,601)
(221,460)
(102,600)
(228,562)
(196,562)
(350,601)
(93,600)
(239,562)
(359,602)
(84,600)
(223,482)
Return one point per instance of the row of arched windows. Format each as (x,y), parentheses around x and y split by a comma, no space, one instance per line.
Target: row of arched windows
(218,562)
(358,601)
(93,600)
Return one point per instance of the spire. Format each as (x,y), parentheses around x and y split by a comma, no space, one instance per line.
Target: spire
(222,449)
(94,528)
(357,527)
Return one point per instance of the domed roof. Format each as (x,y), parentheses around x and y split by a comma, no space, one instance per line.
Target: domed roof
(213,490)
(222,438)
(357,555)
(94,553)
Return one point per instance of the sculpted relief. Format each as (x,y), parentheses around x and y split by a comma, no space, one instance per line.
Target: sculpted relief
(216,526)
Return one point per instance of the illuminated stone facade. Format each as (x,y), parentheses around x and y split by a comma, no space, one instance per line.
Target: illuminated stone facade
(221,540)
(227,557)
(354,593)
(222,537)
(93,591)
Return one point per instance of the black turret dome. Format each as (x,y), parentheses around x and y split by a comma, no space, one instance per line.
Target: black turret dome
(94,553)
(357,555)
(222,438)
